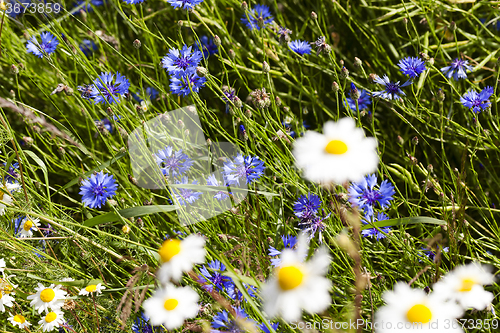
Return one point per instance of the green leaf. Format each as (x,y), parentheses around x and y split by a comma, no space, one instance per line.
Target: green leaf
(404,221)
(129,212)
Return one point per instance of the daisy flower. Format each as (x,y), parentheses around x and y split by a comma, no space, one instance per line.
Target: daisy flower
(27,226)
(366,194)
(258,12)
(412,310)
(181,62)
(464,285)
(96,189)
(250,168)
(183,85)
(52,297)
(48,45)
(19,320)
(171,306)
(178,256)
(342,153)
(92,288)
(297,285)
(5,198)
(52,321)
(105,90)
(477,101)
(412,67)
(5,300)
(172,163)
(392,89)
(458,69)
(300,47)
(184,4)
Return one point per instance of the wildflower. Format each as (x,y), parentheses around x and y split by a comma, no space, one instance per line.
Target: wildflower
(260,98)
(458,69)
(5,195)
(258,12)
(5,300)
(307,206)
(207,46)
(19,320)
(27,225)
(213,277)
(241,322)
(96,189)
(141,325)
(52,320)
(366,193)
(264,328)
(431,254)
(105,91)
(341,154)
(364,101)
(289,242)
(250,168)
(178,256)
(181,62)
(52,297)
(392,90)
(212,181)
(133,2)
(172,163)
(477,101)
(229,96)
(235,294)
(464,285)
(322,46)
(412,67)
(12,174)
(92,288)
(283,35)
(374,232)
(184,4)
(314,225)
(183,85)
(88,47)
(172,305)
(47,47)
(86,91)
(407,307)
(298,285)
(300,47)
(185,196)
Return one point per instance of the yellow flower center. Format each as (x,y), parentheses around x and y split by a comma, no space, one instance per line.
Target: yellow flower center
(1,294)
(1,195)
(47,295)
(290,277)
(467,284)
(170,304)
(419,313)
(19,319)
(91,288)
(169,249)
(7,289)
(50,317)
(336,147)
(27,225)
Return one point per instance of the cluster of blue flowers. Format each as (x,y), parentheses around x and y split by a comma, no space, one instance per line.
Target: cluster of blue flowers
(306,208)
(367,196)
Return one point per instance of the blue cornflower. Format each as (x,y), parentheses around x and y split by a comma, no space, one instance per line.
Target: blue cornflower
(133,2)
(12,175)
(213,277)
(314,225)
(182,85)
(183,195)
(65,327)
(477,101)
(88,47)
(86,91)
(105,91)
(457,69)
(251,168)
(236,295)
(47,47)
(392,90)
(106,123)
(364,101)
(431,254)
(283,35)
(142,325)
(182,61)
(17,223)
(96,189)
(289,242)
(222,321)
(19,9)
(366,194)
(307,206)
(258,11)
(412,67)
(185,4)
(300,47)
(172,163)
(229,96)
(212,181)
(207,46)
(374,232)
(264,328)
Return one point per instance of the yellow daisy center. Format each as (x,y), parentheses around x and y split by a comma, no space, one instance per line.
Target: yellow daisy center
(336,147)
(1,193)
(467,284)
(47,295)
(170,304)
(19,319)
(290,277)
(7,289)
(28,225)
(169,249)
(91,288)
(50,317)
(1,294)
(419,313)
